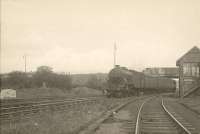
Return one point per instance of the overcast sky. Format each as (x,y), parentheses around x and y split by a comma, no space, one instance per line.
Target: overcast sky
(77,36)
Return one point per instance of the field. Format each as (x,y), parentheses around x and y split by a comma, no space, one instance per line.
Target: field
(69,121)
(54,92)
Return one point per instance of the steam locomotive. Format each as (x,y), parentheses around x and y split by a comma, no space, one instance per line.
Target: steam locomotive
(123,82)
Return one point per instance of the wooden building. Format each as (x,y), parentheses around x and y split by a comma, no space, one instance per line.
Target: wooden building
(189,72)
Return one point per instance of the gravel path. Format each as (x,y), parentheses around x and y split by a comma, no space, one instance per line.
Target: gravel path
(192,103)
(190,116)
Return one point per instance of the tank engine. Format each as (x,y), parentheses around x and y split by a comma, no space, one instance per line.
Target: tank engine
(124,82)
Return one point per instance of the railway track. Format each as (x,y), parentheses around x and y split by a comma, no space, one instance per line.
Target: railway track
(23,101)
(14,111)
(154,117)
(91,128)
(150,116)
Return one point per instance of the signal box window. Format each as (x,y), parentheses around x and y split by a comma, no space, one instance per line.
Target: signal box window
(191,69)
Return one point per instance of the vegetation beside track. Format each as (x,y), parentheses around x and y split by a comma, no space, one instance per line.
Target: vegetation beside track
(44,82)
(55,92)
(68,121)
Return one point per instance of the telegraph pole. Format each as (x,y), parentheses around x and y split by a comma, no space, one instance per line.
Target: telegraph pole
(114,54)
(25,56)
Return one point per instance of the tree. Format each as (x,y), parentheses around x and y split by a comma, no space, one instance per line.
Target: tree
(51,79)
(95,82)
(44,69)
(43,74)
(62,81)
(16,79)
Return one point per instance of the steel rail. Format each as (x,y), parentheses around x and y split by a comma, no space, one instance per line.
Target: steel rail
(48,103)
(180,125)
(27,105)
(31,108)
(138,117)
(16,102)
(91,128)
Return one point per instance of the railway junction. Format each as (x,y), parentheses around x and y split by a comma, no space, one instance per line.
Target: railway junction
(150,115)
(146,110)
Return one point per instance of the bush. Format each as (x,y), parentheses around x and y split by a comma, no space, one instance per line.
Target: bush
(44,74)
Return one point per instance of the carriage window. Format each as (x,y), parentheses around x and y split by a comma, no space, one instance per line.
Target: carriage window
(191,69)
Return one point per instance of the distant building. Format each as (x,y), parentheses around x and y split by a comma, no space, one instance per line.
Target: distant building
(170,72)
(189,72)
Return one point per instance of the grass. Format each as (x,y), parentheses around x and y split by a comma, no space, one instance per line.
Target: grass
(60,122)
(54,92)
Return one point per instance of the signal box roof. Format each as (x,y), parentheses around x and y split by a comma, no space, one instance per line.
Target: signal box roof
(192,56)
